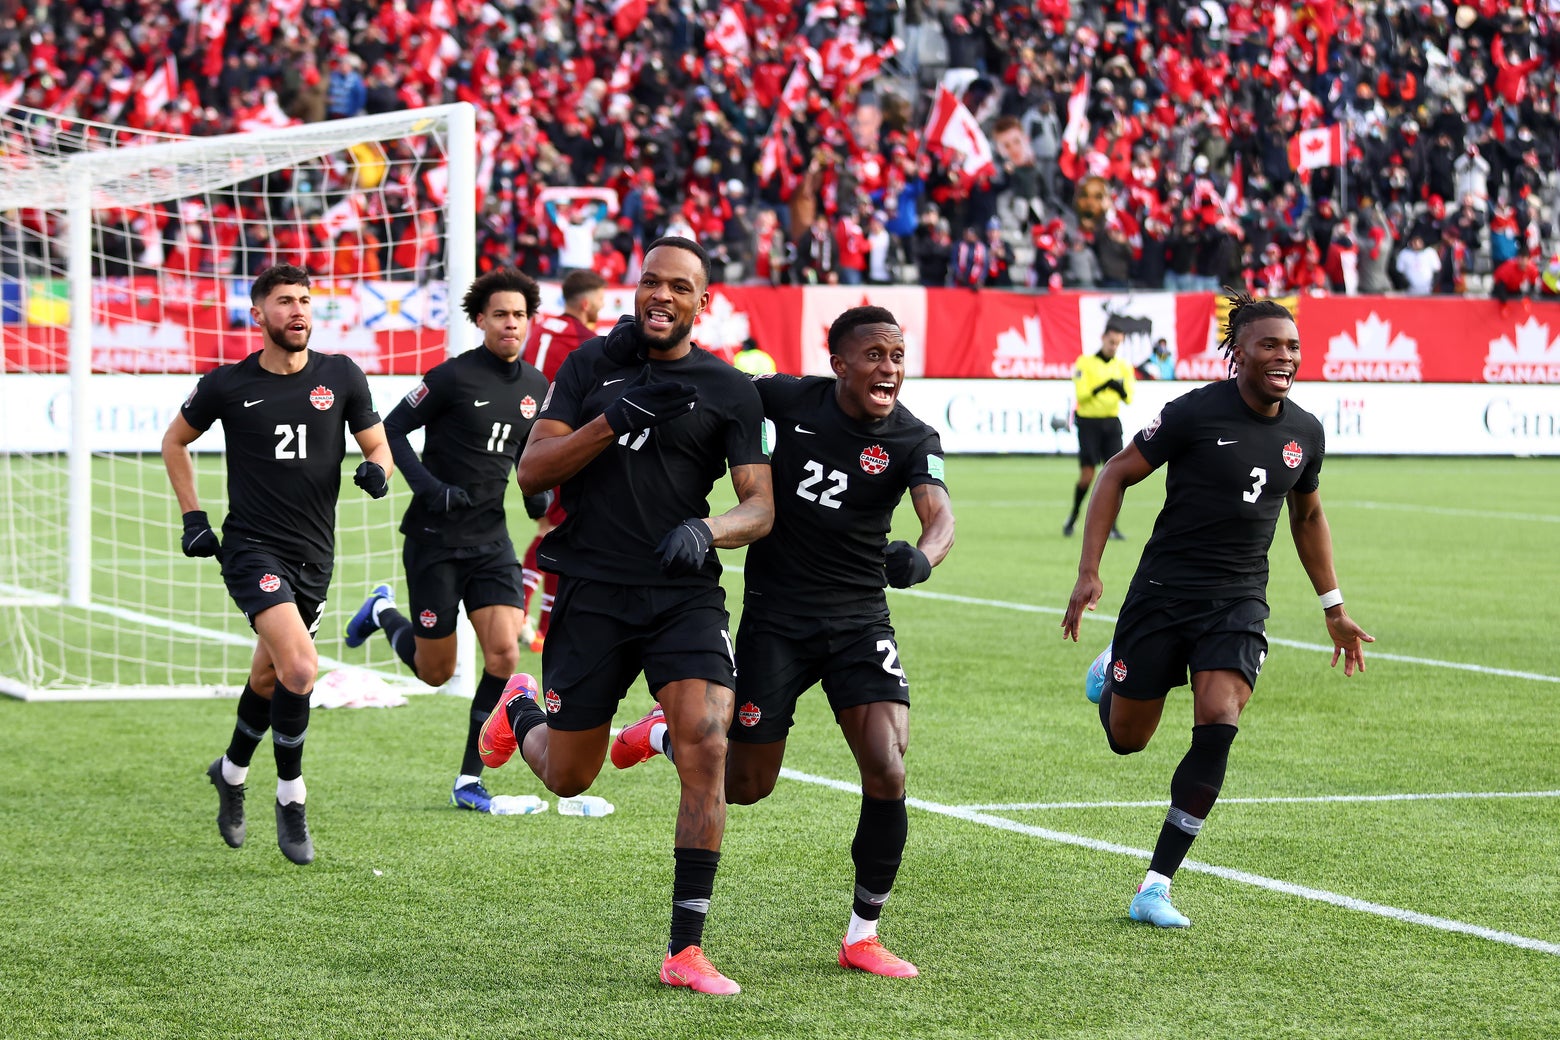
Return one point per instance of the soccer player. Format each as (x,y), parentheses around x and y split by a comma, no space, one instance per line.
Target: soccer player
(1102,383)
(551,340)
(284,412)
(1237,451)
(477,408)
(637,428)
(814,608)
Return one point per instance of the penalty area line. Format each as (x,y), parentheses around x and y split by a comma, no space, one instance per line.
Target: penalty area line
(1444,924)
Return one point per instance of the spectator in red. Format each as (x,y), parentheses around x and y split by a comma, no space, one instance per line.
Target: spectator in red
(610,264)
(1515,276)
(853,250)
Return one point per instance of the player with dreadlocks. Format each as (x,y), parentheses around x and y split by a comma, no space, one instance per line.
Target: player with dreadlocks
(1237,450)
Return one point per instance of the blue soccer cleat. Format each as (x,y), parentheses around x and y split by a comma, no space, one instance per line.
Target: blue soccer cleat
(362,624)
(1152,906)
(1094,679)
(473,796)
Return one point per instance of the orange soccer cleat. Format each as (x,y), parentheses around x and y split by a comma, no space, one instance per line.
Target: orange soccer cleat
(496,742)
(632,745)
(870,955)
(692,969)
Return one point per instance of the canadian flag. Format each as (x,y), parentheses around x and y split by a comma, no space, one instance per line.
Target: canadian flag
(873,63)
(1312,149)
(161,86)
(346,215)
(437,181)
(731,34)
(771,157)
(795,90)
(952,127)
(214,16)
(626,15)
(1075,137)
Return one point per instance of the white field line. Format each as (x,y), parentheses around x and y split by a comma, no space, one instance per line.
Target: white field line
(1400,507)
(1435,796)
(1444,924)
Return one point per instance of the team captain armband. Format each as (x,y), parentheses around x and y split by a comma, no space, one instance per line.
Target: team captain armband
(1330,599)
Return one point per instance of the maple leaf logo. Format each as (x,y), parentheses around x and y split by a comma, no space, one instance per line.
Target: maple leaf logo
(1373,340)
(1533,345)
(1026,344)
(721,327)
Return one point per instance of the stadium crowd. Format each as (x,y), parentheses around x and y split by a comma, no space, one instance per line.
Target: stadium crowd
(1133,143)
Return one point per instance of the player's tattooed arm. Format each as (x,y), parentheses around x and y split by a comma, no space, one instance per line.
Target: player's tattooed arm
(753,515)
(935,511)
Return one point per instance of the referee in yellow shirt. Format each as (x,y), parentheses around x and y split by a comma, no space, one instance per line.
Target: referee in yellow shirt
(1102,383)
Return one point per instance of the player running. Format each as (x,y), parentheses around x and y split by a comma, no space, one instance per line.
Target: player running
(1237,451)
(477,409)
(845,453)
(284,411)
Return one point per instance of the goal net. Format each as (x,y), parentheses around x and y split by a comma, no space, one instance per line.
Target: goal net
(125,265)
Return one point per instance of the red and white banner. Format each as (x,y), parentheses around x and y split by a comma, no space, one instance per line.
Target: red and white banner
(160,87)
(1075,137)
(951,126)
(1313,149)
(730,36)
(794,93)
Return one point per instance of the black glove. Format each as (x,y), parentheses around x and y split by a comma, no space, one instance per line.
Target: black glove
(446,498)
(1113,384)
(370,476)
(199,539)
(622,347)
(684,547)
(905,565)
(536,506)
(650,404)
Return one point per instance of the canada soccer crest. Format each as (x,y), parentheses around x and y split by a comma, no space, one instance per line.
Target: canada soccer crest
(553,701)
(270,583)
(322,397)
(749,714)
(428,619)
(1292,454)
(528,407)
(1119,670)
(874,459)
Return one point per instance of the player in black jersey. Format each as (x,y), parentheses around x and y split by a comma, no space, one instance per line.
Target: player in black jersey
(284,412)
(1237,451)
(477,408)
(636,429)
(845,452)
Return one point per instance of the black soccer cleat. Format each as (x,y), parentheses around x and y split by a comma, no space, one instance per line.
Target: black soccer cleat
(230,806)
(292,833)
(1067,528)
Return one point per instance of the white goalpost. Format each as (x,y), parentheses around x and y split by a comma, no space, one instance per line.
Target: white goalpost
(125,265)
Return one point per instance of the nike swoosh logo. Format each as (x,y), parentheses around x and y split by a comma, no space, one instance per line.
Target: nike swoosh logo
(544,556)
(251,404)
(802,429)
(1222,442)
(609,382)
(480,404)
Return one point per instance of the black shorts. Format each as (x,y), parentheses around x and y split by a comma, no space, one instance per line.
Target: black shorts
(779,656)
(603,635)
(258,580)
(1098,440)
(438,578)
(1159,640)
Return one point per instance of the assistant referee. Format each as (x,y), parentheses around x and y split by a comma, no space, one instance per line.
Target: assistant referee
(1102,383)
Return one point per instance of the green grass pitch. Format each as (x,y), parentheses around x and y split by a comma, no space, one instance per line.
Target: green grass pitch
(1331,904)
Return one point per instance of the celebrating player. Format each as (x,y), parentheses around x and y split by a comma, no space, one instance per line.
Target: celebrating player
(1237,450)
(637,428)
(551,340)
(284,412)
(478,409)
(1102,383)
(850,450)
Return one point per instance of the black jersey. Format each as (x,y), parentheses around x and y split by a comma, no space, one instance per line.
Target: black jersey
(286,437)
(478,410)
(1230,469)
(625,500)
(837,482)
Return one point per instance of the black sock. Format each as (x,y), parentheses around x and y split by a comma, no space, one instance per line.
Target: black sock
(398,629)
(1079,494)
(877,850)
(1193,790)
(254,718)
(524,715)
(289,725)
(489,689)
(693,882)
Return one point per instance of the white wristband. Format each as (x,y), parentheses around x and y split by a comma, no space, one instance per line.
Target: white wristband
(1330,599)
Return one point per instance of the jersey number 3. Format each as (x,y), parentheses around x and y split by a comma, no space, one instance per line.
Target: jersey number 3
(829,496)
(1259,476)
